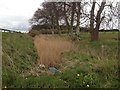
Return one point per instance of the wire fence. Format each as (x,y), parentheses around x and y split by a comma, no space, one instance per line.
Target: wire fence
(13,30)
(7,30)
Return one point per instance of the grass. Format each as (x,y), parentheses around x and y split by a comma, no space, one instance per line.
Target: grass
(19,56)
(49,49)
(92,64)
(99,59)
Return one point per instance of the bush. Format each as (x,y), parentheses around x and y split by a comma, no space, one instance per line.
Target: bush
(33,33)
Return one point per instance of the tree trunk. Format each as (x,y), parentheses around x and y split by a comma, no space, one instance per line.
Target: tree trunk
(56,18)
(95,31)
(92,21)
(99,20)
(78,21)
(72,17)
(66,17)
(94,35)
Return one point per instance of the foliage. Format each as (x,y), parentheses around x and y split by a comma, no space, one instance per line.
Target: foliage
(33,33)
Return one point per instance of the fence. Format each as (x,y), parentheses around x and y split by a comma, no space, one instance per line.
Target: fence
(6,30)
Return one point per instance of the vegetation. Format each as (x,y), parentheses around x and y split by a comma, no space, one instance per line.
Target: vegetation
(75,14)
(49,48)
(98,60)
(19,57)
(93,64)
(80,56)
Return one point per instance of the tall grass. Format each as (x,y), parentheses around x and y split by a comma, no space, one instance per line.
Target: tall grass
(50,48)
(18,57)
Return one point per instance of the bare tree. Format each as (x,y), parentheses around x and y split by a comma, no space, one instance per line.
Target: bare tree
(78,19)
(50,14)
(92,20)
(66,16)
(98,19)
(75,13)
(73,8)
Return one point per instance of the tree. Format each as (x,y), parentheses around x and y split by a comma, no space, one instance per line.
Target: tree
(73,8)
(75,15)
(65,15)
(78,18)
(49,14)
(98,19)
(92,20)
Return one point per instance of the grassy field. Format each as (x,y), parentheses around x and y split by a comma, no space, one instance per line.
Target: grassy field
(96,62)
(90,64)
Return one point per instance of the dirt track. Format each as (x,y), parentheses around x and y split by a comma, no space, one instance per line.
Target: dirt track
(49,48)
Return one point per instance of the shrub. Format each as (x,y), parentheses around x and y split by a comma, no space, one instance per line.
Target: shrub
(33,33)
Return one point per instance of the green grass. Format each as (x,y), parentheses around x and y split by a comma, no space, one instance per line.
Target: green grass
(93,64)
(99,59)
(19,56)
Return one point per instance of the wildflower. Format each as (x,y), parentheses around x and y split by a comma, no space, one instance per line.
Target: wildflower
(65,82)
(87,85)
(5,87)
(60,71)
(42,66)
(102,46)
(78,75)
(83,82)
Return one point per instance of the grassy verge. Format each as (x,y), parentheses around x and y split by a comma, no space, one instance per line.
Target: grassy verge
(18,58)
(93,64)
(96,61)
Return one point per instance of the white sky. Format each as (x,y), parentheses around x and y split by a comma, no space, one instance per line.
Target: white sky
(16,13)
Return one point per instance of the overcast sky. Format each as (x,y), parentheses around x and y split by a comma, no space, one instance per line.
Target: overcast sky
(14,14)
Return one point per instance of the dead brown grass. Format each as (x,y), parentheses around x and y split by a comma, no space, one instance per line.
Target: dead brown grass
(49,49)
